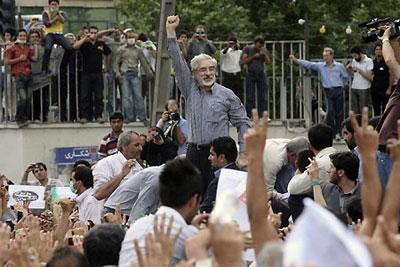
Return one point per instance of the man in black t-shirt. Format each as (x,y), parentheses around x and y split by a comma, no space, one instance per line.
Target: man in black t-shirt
(381,86)
(92,51)
(255,56)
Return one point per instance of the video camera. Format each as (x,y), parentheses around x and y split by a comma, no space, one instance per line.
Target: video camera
(376,27)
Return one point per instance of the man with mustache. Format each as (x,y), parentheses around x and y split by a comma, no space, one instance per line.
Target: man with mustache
(210,106)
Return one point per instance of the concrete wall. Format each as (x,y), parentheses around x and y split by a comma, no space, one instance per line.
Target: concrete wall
(36,143)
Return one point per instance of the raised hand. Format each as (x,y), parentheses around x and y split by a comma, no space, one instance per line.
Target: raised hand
(255,137)
(366,137)
(313,169)
(227,244)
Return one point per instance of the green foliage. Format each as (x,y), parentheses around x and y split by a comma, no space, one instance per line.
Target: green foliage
(274,19)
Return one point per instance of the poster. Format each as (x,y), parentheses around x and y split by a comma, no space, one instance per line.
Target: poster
(235,181)
(58,193)
(19,193)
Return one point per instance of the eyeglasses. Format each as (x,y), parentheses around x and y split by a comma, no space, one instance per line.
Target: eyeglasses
(93,32)
(204,70)
(200,32)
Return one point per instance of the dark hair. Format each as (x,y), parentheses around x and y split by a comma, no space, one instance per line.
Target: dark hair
(183,32)
(11,31)
(302,159)
(166,104)
(348,162)
(142,37)
(347,123)
(227,146)
(259,39)
(374,121)
(232,39)
(84,174)
(353,208)
(94,27)
(40,164)
(82,162)
(102,244)
(22,30)
(179,182)
(320,136)
(70,256)
(356,50)
(378,45)
(116,115)
(201,26)
(50,1)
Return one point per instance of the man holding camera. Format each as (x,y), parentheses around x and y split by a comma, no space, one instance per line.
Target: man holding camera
(200,44)
(387,126)
(362,67)
(230,67)
(174,125)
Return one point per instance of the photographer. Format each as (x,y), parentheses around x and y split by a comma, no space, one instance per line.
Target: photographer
(158,149)
(230,67)
(199,44)
(174,126)
(387,126)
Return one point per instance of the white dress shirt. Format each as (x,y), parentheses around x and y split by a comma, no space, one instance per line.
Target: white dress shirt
(275,157)
(301,184)
(359,81)
(144,226)
(230,61)
(140,195)
(107,168)
(89,207)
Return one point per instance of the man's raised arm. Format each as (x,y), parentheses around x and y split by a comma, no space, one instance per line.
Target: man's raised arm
(183,75)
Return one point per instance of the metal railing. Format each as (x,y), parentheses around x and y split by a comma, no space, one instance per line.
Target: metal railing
(294,94)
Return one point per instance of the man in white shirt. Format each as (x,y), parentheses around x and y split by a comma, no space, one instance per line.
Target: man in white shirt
(89,207)
(114,170)
(362,67)
(320,137)
(230,67)
(180,193)
(139,196)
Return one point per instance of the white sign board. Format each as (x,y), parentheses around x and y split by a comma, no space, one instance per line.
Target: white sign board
(235,181)
(19,193)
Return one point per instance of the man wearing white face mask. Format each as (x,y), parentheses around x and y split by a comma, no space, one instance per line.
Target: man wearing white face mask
(19,56)
(126,67)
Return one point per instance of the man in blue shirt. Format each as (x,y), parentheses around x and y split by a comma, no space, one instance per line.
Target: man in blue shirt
(334,78)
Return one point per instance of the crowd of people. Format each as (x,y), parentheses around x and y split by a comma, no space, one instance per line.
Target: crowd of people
(151,198)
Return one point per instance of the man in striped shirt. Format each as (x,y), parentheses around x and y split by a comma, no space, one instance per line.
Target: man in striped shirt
(108,145)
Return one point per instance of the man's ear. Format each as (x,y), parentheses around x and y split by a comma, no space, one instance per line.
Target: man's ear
(221,157)
(194,201)
(340,173)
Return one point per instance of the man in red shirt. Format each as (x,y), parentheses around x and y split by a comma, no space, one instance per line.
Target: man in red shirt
(19,56)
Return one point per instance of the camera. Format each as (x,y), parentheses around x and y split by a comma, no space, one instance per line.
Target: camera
(375,28)
(173,116)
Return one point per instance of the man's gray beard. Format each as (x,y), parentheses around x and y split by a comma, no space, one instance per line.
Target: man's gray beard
(210,83)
